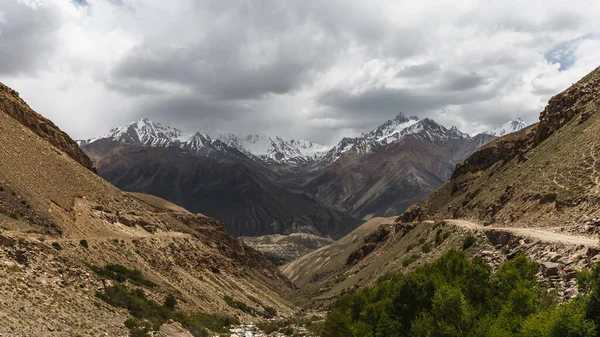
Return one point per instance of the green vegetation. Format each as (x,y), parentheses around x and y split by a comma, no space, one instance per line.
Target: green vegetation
(8,213)
(84,243)
(440,236)
(148,315)
(170,302)
(410,260)
(136,302)
(426,247)
(270,312)
(469,241)
(239,305)
(56,246)
(121,274)
(455,297)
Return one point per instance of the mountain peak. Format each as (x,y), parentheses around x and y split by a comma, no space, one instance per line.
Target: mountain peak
(509,127)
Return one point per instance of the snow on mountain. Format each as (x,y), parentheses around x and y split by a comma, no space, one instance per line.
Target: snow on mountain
(392,131)
(256,147)
(275,149)
(143,132)
(508,127)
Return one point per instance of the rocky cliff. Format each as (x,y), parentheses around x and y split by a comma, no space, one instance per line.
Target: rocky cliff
(15,107)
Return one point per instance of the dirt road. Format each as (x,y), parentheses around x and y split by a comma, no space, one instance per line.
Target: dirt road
(543,235)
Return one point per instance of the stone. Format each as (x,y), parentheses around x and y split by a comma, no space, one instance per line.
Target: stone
(549,268)
(172,329)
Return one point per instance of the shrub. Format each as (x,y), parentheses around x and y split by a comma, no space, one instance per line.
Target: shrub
(270,312)
(426,247)
(84,243)
(410,247)
(121,274)
(239,305)
(56,246)
(469,241)
(199,322)
(410,260)
(170,302)
(456,297)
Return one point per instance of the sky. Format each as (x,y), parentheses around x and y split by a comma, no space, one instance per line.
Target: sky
(318,70)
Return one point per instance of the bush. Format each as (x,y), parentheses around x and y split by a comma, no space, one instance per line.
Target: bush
(270,312)
(456,297)
(84,243)
(56,246)
(239,305)
(148,315)
(469,241)
(170,302)
(121,274)
(410,260)
(198,322)
(426,247)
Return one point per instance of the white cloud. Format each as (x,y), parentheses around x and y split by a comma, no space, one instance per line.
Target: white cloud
(303,68)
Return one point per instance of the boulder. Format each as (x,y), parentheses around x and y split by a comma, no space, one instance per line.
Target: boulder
(549,268)
(172,329)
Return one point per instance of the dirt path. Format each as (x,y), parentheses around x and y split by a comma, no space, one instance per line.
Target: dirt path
(534,233)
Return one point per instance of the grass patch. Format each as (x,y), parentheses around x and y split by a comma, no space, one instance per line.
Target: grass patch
(239,305)
(410,260)
(410,247)
(121,274)
(148,315)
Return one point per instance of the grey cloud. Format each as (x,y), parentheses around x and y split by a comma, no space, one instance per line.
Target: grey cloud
(411,101)
(423,69)
(260,48)
(460,82)
(27,36)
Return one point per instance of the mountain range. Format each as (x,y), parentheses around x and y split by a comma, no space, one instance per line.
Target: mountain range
(262,185)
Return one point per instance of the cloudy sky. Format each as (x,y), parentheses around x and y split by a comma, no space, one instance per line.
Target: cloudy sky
(299,68)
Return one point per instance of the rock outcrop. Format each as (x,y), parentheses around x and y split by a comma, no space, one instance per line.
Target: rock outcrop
(15,107)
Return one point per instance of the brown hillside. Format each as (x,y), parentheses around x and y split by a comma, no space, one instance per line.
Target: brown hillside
(48,198)
(15,107)
(545,175)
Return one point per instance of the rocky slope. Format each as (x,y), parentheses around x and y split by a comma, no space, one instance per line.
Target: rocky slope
(381,247)
(247,202)
(57,218)
(12,105)
(282,249)
(535,191)
(545,175)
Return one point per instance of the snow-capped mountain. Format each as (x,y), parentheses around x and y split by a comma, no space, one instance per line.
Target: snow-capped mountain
(255,147)
(508,127)
(393,131)
(143,132)
(275,149)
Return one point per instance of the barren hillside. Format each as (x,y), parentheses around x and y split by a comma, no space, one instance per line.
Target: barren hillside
(58,219)
(545,175)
